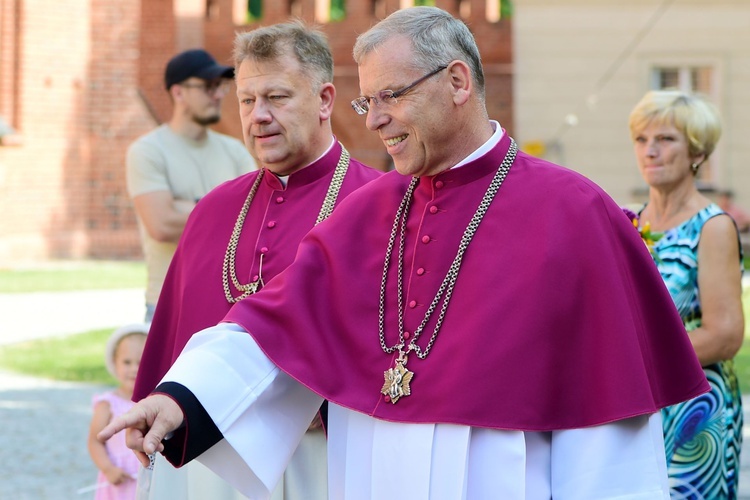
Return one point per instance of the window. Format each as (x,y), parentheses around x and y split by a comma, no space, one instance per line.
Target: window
(244,11)
(295,8)
(378,9)
(494,10)
(10,76)
(498,9)
(254,10)
(330,10)
(405,4)
(338,10)
(212,10)
(686,78)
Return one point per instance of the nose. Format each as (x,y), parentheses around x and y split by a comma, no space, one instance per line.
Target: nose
(375,118)
(260,112)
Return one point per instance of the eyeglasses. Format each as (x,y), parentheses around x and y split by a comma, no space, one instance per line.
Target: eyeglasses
(362,104)
(212,87)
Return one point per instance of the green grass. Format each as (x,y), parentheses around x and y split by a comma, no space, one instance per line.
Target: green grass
(742,366)
(77,358)
(67,276)
(81,357)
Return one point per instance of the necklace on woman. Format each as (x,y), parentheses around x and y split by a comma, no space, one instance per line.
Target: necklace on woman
(398,378)
(229,271)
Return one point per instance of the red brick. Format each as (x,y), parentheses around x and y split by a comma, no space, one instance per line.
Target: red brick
(81,79)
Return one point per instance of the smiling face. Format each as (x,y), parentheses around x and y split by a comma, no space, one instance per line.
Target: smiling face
(663,156)
(284,122)
(417,130)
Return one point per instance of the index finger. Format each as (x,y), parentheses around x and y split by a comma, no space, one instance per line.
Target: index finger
(130,419)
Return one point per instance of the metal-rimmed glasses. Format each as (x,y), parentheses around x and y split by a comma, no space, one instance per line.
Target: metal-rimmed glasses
(212,87)
(362,104)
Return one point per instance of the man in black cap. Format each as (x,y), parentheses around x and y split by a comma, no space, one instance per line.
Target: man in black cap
(172,167)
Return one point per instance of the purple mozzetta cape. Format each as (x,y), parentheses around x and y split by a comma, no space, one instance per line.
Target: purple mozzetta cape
(559,318)
(193,297)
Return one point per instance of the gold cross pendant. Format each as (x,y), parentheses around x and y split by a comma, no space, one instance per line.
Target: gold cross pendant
(397,380)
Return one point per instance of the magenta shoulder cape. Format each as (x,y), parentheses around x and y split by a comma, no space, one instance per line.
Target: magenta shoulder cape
(192,297)
(559,318)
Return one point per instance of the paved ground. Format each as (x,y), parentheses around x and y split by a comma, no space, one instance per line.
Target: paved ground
(43,439)
(44,424)
(27,316)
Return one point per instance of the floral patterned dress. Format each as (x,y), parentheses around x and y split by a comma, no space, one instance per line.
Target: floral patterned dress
(703,436)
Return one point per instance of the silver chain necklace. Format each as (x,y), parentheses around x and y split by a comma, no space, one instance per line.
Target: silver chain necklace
(398,378)
(229,270)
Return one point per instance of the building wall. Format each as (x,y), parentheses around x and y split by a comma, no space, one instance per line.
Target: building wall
(494,40)
(75,107)
(581,66)
(115,114)
(81,79)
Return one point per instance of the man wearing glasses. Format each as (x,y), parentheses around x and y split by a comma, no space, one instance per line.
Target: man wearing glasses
(483,324)
(172,167)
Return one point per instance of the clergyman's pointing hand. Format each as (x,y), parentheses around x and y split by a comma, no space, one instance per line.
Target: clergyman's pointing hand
(147,423)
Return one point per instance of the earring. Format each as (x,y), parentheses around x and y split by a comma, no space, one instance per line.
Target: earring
(694,167)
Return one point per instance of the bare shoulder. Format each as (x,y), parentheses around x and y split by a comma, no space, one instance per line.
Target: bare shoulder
(720,228)
(102,407)
(719,238)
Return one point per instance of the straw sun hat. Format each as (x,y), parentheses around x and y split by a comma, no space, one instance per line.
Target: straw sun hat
(114,341)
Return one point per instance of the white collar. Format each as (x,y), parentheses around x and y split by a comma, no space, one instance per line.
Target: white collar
(493,141)
(285,178)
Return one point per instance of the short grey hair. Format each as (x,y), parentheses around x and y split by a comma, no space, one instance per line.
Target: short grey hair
(308,44)
(437,38)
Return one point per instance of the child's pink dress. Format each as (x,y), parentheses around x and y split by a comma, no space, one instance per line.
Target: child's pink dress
(119,454)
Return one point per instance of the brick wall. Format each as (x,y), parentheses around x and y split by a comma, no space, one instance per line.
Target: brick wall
(81,79)
(116,114)
(494,40)
(43,179)
(77,106)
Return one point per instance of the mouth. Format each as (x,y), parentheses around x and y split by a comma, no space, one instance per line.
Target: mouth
(265,140)
(395,140)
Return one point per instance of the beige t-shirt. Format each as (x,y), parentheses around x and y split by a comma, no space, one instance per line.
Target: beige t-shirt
(165,161)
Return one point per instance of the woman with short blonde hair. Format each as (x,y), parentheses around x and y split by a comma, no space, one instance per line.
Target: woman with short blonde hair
(696,248)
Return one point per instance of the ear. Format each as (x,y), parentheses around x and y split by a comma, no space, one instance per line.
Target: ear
(699,158)
(327,96)
(176,91)
(462,86)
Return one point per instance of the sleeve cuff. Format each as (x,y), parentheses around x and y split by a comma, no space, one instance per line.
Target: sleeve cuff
(184,445)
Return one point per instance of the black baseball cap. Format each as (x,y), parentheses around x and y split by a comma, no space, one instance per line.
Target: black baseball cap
(194,63)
